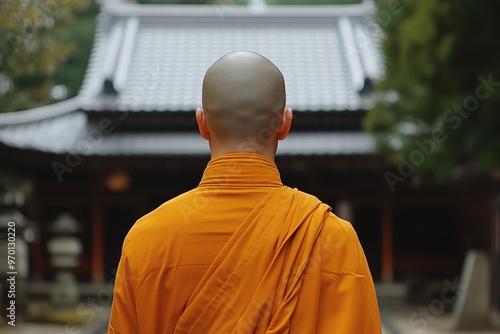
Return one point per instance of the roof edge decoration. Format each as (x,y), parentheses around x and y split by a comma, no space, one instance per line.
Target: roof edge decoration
(41,113)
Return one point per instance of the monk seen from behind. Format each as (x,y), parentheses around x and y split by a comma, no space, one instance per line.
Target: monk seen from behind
(242,253)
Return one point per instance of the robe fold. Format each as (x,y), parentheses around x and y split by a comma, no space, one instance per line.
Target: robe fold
(242,253)
(253,284)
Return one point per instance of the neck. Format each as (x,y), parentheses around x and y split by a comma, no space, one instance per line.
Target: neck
(217,150)
(241,169)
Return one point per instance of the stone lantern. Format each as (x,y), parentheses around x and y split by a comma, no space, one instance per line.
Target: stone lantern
(64,249)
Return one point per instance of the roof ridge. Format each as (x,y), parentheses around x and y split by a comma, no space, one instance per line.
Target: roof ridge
(118,9)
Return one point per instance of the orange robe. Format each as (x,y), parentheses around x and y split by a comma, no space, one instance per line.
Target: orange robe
(242,253)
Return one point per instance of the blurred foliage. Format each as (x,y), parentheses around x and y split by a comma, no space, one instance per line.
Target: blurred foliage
(312,2)
(438,108)
(30,49)
(80,34)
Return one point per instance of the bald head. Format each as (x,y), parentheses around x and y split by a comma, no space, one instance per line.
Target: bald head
(243,97)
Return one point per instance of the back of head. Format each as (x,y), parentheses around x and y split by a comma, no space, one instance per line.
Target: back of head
(243,98)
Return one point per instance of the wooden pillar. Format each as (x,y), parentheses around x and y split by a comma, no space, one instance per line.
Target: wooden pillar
(387,244)
(37,252)
(97,245)
(496,261)
(36,208)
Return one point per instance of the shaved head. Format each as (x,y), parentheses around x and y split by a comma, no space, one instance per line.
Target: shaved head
(243,97)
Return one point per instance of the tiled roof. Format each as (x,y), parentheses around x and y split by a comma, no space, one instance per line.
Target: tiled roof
(71,134)
(153,57)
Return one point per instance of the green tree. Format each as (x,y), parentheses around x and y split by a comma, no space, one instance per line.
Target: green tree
(79,34)
(30,50)
(438,109)
(312,2)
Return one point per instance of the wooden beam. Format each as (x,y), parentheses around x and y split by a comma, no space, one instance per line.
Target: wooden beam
(387,245)
(97,245)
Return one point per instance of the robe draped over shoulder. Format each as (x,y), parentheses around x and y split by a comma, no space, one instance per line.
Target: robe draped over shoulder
(254,283)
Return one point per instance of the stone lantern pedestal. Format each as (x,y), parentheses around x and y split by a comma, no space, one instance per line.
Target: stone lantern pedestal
(64,249)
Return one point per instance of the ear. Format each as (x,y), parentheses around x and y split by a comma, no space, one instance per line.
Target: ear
(286,123)
(201,119)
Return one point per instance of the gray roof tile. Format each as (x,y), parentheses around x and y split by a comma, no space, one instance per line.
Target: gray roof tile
(156,56)
(52,135)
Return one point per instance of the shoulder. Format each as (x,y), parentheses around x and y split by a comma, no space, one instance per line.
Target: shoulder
(153,238)
(340,228)
(334,226)
(163,221)
(340,247)
(341,251)
(304,198)
(302,194)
